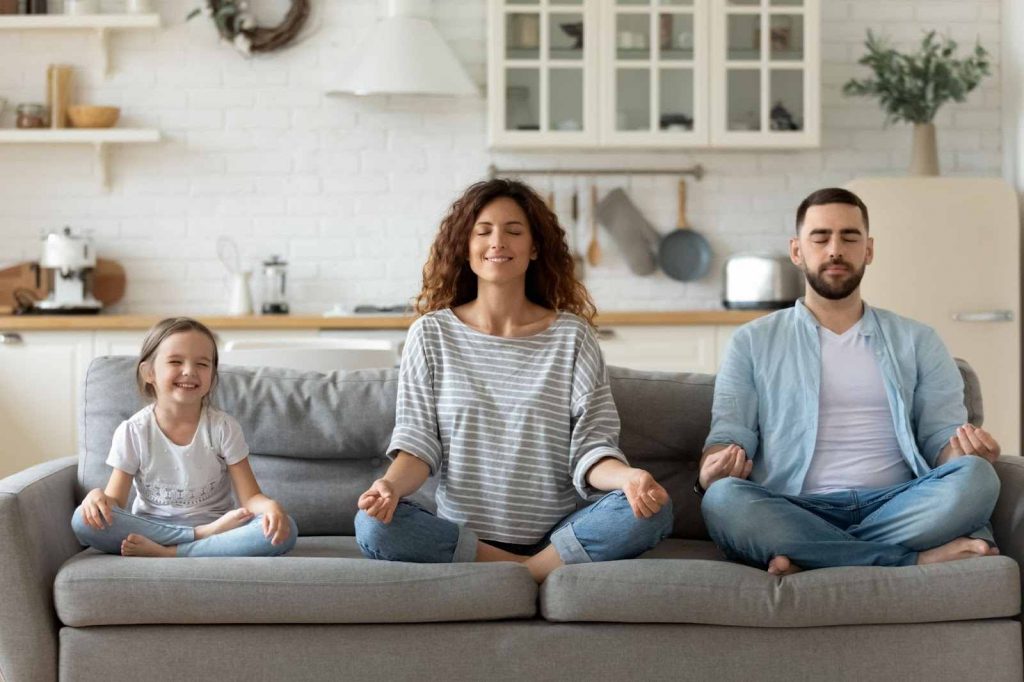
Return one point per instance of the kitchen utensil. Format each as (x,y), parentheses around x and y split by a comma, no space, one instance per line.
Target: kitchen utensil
(757,281)
(634,236)
(108,281)
(227,252)
(91,116)
(22,277)
(574,234)
(684,254)
(593,249)
(67,262)
(275,279)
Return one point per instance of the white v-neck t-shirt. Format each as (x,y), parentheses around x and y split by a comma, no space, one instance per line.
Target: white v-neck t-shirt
(856,448)
(182,484)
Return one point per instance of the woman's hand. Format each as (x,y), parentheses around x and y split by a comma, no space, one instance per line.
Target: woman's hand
(645,495)
(275,523)
(97,507)
(379,501)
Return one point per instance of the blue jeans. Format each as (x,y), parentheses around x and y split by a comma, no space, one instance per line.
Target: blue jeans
(605,531)
(879,527)
(247,540)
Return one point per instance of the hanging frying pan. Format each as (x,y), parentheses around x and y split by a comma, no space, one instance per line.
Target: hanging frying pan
(683,253)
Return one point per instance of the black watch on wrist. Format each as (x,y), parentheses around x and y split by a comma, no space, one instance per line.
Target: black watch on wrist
(698,488)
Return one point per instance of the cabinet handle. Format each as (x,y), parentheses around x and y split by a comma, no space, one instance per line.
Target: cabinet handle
(605,334)
(10,338)
(985,316)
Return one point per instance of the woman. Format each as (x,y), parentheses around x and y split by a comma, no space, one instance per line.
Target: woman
(504,395)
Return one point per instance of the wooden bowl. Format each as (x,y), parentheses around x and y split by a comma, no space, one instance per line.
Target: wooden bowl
(90,116)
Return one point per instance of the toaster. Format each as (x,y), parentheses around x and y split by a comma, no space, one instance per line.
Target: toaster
(758,281)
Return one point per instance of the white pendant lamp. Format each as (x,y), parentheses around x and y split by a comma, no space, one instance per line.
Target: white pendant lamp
(403,55)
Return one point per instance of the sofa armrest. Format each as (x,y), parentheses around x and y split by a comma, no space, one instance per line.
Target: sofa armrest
(1008,517)
(35,540)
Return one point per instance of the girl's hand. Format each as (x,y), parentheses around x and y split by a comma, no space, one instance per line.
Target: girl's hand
(645,495)
(379,501)
(275,524)
(97,508)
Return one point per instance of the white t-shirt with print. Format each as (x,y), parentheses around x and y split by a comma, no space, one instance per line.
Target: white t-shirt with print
(184,484)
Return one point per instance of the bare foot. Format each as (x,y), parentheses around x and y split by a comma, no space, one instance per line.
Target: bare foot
(780,565)
(140,545)
(233,519)
(961,548)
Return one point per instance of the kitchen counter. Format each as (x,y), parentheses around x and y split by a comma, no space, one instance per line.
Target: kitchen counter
(127,322)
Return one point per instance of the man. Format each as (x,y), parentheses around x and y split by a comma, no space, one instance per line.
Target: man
(838,433)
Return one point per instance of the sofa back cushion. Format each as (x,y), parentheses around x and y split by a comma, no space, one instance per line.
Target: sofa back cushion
(319,440)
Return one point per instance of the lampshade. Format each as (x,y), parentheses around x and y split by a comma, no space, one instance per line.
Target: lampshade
(403,55)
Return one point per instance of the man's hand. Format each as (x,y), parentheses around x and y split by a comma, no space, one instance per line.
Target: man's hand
(379,501)
(645,495)
(731,461)
(970,440)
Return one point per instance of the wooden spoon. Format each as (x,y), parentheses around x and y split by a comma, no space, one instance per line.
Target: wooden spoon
(593,249)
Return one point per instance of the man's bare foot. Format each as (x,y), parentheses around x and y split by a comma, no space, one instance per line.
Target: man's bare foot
(233,519)
(780,565)
(961,548)
(140,545)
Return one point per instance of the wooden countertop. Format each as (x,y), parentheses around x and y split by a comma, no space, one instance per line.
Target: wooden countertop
(128,322)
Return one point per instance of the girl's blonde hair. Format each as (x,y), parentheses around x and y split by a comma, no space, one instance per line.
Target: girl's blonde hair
(160,331)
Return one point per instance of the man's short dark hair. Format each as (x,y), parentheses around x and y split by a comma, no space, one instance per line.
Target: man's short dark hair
(830,195)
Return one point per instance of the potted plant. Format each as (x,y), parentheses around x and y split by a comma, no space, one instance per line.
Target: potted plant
(912,87)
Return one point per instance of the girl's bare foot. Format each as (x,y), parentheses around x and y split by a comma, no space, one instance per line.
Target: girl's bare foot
(961,548)
(780,565)
(233,519)
(140,545)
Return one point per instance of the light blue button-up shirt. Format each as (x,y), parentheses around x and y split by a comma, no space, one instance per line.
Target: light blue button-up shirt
(766,392)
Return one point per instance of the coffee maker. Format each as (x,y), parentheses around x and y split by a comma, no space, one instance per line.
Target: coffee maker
(67,262)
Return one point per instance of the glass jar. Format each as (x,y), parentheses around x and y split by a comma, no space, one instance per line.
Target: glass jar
(31,116)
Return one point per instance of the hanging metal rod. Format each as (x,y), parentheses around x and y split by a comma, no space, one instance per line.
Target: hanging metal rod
(493,171)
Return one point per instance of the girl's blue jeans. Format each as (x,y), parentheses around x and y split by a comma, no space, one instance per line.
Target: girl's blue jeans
(246,540)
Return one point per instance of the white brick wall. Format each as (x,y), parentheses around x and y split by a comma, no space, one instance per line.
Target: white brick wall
(351,190)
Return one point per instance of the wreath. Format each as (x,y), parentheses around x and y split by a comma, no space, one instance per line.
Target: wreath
(236,24)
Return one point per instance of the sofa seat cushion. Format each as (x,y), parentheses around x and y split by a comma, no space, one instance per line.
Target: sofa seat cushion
(322,580)
(683,582)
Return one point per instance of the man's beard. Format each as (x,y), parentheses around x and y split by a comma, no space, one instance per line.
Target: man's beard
(834,291)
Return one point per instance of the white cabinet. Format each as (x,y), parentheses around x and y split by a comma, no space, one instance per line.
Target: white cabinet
(690,348)
(653,73)
(41,380)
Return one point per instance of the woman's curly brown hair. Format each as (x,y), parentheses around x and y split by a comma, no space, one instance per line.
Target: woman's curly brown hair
(448,280)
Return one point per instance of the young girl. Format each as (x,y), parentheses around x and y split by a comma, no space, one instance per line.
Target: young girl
(504,395)
(184,457)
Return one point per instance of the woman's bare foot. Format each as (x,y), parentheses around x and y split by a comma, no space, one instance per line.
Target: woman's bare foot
(961,548)
(780,565)
(543,563)
(140,545)
(233,519)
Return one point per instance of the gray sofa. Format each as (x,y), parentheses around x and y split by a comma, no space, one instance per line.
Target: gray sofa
(325,613)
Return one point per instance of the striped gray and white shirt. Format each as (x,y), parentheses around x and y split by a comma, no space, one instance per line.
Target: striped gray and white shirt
(511,425)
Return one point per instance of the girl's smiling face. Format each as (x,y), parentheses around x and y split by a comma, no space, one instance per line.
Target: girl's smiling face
(181,371)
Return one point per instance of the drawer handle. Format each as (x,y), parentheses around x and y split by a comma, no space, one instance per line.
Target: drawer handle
(10,339)
(985,316)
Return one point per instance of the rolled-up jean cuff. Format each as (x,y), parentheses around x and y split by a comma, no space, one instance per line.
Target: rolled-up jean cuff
(568,546)
(465,548)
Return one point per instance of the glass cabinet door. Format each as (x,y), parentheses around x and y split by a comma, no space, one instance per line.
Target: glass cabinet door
(542,73)
(654,72)
(764,73)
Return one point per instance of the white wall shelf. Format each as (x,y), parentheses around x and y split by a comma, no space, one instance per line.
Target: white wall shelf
(99,138)
(101,24)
